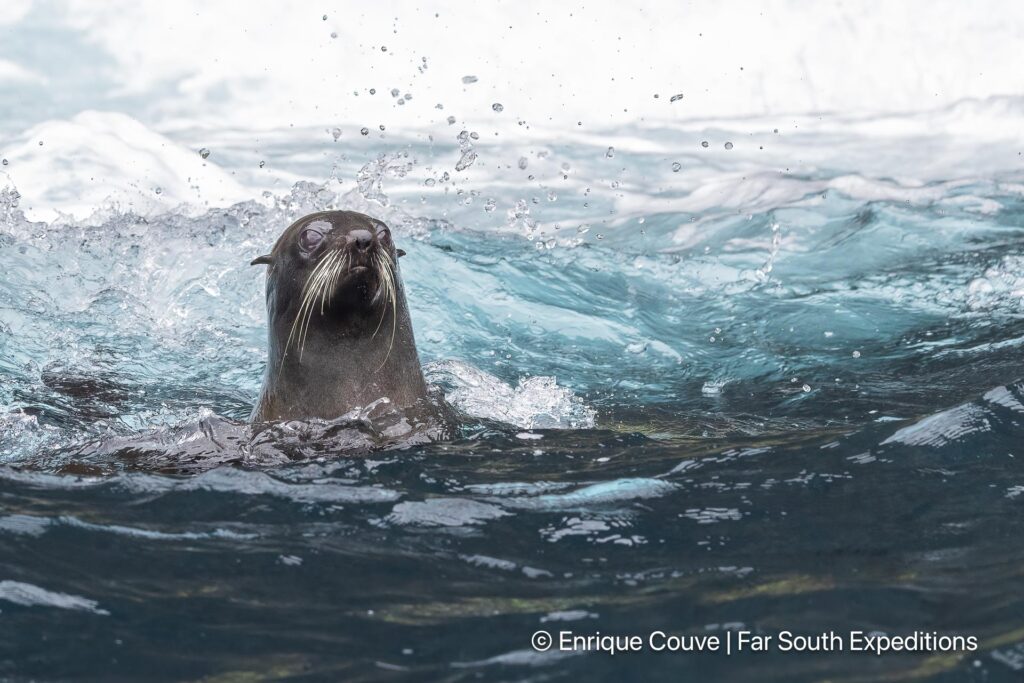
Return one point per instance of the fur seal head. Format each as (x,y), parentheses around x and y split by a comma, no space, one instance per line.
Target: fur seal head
(340,336)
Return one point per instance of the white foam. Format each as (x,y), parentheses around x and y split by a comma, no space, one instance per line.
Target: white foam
(27,525)
(151,534)
(108,158)
(534,403)
(445,512)
(944,427)
(13,72)
(28,595)
(254,483)
(601,493)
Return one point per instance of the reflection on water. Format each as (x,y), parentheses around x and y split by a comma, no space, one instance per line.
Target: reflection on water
(719,398)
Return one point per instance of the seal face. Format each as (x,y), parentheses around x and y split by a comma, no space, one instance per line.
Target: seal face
(340,336)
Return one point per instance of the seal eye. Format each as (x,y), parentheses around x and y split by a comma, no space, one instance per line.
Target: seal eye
(310,239)
(383,234)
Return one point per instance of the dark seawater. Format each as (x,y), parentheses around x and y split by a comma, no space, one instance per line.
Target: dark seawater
(800,410)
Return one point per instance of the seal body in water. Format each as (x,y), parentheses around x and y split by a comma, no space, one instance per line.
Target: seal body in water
(340,337)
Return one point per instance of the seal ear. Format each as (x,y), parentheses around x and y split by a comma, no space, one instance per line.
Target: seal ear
(266,259)
(401,252)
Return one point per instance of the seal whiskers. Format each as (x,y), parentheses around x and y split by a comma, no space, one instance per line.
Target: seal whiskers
(315,285)
(387,280)
(383,289)
(324,285)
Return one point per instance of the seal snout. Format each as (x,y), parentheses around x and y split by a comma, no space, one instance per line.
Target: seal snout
(360,240)
(360,249)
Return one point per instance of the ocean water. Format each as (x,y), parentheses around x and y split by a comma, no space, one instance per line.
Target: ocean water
(745,374)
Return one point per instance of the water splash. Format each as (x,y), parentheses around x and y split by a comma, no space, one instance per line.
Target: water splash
(1000,286)
(764,272)
(372,175)
(534,403)
(520,220)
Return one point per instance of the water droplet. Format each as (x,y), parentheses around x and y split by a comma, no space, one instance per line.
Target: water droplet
(204,153)
(806,388)
(523,163)
(728,145)
(407,97)
(158,190)
(856,354)
(429,182)
(325,17)
(394,92)
(497,106)
(469,79)
(704,144)
(336,133)
(676,167)
(552,196)
(373,91)
(40,143)
(610,153)
(451,120)
(364,130)
(262,164)
(641,220)
(381,126)
(5,162)
(489,205)
(676,98)
(383,48)
(468,153)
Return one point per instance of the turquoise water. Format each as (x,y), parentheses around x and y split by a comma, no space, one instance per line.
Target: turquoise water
(773,389)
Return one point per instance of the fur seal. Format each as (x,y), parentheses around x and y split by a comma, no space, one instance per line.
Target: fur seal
(340,336)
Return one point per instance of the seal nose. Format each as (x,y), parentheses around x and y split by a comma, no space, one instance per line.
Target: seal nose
(362,239)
